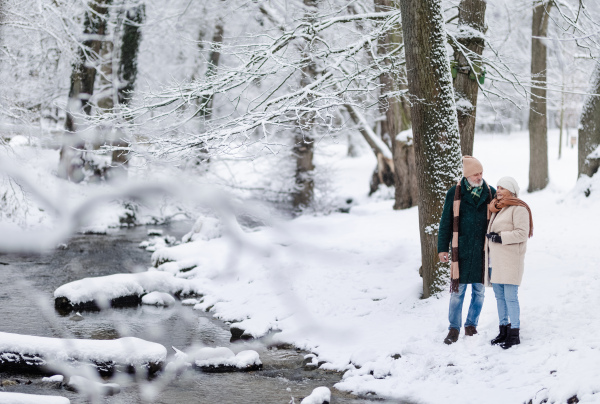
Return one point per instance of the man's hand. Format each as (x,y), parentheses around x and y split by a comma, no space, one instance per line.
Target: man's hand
(443,256)
(494,237)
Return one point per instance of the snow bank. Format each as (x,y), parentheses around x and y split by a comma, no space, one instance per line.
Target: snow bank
(320,395)
(101,291)
(346,288)
(37,353)
(19,398)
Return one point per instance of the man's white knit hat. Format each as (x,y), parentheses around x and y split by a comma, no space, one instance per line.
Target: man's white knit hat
(509,183)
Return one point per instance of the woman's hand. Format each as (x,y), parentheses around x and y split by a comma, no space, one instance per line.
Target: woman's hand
(494,237)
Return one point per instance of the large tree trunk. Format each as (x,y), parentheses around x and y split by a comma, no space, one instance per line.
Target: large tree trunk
(83,77)
(435,126)
(213,64)
(128,69)
(538,127)
(589,130)
(304,140)
(397,119)
(471,26)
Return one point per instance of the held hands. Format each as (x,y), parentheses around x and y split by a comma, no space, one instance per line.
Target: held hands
(494,237)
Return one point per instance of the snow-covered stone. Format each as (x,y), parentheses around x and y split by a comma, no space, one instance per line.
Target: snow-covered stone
(158,299)
(92,387)
(320,395)
(20,398)
(118,289)
(53,379)
(32,353)
(205,228)
(219,359)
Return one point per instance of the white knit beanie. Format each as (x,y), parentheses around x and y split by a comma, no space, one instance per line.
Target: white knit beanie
(509,183)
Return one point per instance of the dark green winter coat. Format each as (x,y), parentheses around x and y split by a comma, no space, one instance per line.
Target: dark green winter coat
(471,233)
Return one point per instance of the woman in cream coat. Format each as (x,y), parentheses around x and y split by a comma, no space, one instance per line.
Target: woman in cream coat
(509,228)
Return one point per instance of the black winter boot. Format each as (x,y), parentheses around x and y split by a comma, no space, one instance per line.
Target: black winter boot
(512,339)
(504,329)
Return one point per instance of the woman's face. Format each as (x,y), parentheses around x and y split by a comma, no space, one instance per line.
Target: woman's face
(502,193)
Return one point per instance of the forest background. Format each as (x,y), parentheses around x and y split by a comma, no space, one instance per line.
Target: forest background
(176,102)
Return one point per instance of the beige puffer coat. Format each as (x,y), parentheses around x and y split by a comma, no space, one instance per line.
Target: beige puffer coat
(507,260)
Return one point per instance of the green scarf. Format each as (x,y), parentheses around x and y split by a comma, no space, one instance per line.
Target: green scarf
(475,191)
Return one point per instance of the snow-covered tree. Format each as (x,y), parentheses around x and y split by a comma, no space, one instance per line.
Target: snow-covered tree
(538,120)
(589,130)
(435,125)
(469,45)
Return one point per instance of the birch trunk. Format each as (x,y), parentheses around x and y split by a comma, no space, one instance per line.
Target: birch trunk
(435,126)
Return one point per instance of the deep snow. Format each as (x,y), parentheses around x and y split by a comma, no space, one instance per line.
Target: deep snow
(346,287)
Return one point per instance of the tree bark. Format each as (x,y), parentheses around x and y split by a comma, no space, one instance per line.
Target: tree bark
(589,130)
(81,90)
(538,126)
(304,141)
(128,69)
(397,119)
(435,126)
(213,64)
(471,26)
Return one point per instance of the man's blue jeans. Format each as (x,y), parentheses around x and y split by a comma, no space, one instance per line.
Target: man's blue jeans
(507,300)
(456,304)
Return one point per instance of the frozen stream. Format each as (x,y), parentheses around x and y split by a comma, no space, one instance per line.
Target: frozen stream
(27,307)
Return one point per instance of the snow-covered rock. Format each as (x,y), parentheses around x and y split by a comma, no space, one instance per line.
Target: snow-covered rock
(32,353)
(205,228)
(158,299)
(157,242)
(92,387)
(219,359)
(53,379)
(20,398)
(117,290)
(320,395)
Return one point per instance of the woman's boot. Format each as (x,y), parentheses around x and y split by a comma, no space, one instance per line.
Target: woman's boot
(502,336)
(512,339)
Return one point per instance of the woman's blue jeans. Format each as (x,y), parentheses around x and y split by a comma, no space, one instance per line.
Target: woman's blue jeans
(507,300)
(456,304)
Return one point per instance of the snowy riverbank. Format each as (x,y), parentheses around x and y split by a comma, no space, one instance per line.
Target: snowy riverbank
(346,287)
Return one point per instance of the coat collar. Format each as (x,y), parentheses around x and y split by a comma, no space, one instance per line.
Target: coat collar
(467,197)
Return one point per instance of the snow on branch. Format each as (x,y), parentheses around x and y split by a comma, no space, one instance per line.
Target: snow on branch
(264,102)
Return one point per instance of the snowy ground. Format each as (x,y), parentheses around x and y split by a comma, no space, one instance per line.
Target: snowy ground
(346,287)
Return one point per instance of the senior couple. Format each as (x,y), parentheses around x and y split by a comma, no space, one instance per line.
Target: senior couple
(487,230)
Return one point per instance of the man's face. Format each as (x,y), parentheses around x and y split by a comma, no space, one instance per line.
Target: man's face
(476,180)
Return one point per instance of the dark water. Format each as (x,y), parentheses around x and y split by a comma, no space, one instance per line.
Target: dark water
(27,307)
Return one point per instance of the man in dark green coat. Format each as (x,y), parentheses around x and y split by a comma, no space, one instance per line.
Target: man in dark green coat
(472,200)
